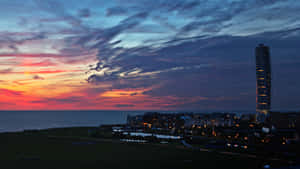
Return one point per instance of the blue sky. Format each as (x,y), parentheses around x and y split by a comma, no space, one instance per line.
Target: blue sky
(142,54)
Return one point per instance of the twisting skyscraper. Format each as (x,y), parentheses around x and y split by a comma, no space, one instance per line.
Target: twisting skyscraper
(263,81)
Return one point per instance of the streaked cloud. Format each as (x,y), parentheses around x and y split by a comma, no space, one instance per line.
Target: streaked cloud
(7,92)
(141,54)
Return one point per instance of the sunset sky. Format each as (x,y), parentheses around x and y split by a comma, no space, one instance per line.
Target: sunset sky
(146,54)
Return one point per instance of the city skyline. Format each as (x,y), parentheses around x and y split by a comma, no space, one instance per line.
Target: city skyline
(140,55)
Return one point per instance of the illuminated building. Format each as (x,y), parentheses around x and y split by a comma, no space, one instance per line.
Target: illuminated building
(263,82)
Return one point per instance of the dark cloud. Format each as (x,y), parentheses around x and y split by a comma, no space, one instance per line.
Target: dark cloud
(84,13)
(207,16)
(226,77)
(184,67)
(124,105)
(198,49)
(7,92)
(102,37)
(164,21)
(133,94)
(66,100)
(6,71)
(56,8)
(115,11)
(37,77)
(12,40)
(23,21)
(151,28)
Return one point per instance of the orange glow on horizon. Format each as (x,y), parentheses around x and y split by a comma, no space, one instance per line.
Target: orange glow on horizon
(44,82)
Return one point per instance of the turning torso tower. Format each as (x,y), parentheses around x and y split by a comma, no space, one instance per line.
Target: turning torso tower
(263,81)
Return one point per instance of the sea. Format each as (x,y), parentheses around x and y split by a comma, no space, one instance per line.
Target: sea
(11,121)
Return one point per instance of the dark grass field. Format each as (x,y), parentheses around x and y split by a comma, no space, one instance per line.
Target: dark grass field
(38,150)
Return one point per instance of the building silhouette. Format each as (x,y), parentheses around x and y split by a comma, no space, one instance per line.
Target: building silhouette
(263,82)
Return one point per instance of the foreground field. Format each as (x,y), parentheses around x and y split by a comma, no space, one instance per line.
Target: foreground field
(50,149)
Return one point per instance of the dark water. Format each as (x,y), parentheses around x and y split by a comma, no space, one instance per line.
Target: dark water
(21,120)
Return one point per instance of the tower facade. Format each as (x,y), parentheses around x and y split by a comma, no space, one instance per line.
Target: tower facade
(263,81)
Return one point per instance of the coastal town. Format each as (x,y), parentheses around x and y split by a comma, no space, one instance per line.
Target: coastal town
(264,132)
(176,140)
(239,132)
(141,84)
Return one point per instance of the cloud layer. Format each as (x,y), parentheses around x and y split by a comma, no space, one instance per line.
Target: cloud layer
(141,54)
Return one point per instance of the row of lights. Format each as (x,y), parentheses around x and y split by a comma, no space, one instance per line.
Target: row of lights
(236,146)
